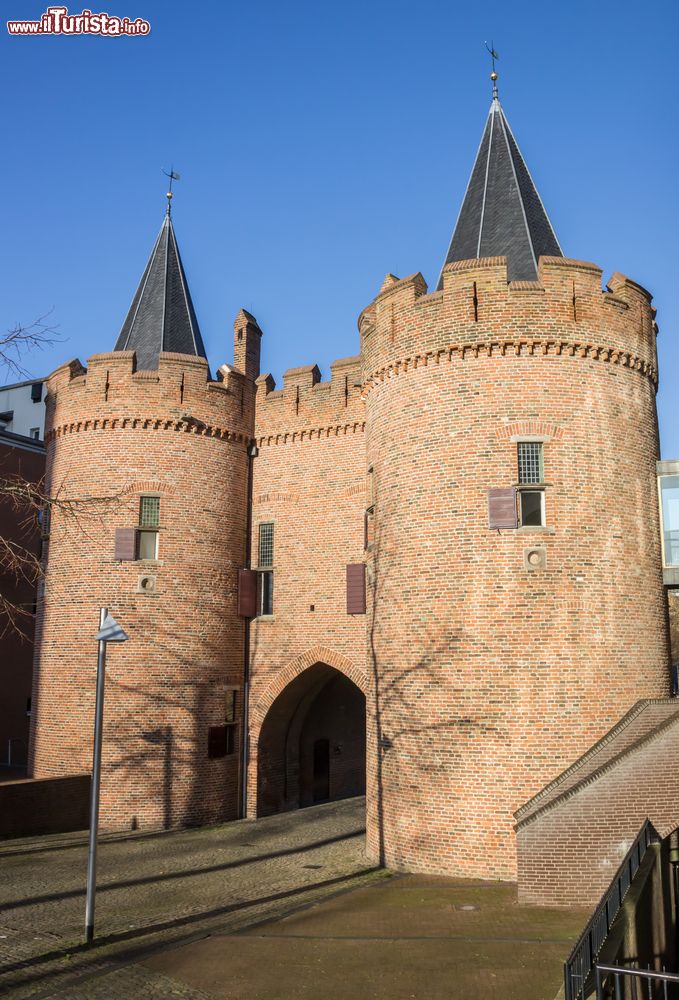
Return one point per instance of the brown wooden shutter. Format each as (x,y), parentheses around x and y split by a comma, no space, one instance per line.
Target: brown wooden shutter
(502,508)
(356,589)
(247,593)
(126,544)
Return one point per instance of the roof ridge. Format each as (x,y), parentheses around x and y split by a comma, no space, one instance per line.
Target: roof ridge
(504,123)
(535,187)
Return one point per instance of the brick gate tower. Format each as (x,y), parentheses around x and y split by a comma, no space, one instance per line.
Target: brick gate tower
(156,451)
(517,601)
(449,551)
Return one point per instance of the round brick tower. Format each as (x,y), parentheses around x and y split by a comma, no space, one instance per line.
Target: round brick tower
(157,460)
(507,632)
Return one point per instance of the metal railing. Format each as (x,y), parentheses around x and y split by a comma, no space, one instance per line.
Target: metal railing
(581,961)
(652,979)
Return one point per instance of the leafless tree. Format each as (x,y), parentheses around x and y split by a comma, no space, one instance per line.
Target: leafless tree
(20,340)
(29,506)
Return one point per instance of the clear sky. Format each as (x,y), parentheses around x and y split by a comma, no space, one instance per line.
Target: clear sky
(320,146)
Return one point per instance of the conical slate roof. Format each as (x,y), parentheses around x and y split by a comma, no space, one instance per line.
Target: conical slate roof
(161,317)
(502,214)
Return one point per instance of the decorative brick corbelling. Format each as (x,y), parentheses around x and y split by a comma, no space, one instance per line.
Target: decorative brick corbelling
(147,423)
(310,434)
(520,348)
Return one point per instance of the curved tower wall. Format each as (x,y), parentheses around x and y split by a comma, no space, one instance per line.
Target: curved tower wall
(488,678)
(116,433)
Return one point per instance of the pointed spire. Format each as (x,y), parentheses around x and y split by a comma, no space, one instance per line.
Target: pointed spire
(161,317)
(502,214)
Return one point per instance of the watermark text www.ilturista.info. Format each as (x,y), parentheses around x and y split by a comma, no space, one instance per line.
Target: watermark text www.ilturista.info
(57,21)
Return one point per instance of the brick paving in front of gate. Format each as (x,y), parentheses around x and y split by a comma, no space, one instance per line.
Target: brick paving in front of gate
(157,889)
(284,907)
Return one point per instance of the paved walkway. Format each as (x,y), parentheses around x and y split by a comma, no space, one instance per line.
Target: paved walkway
(398,938)
(161,889)
(285,908)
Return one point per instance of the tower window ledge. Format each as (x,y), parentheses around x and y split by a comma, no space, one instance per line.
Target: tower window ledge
(265,618)
(534,529)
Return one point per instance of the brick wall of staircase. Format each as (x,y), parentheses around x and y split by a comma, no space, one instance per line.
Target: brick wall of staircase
(572,836)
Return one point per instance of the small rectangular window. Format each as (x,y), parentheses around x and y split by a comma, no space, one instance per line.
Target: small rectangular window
(44,520)
(530,462)
(265,593)
(147,544)
(36,392)
(221,741)
(265,553)
(532,504)
(264,574)
(230,706)
(149,512)
(34,433)
(147,533)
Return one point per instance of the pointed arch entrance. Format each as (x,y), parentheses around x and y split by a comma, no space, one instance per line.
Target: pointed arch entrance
(311,742)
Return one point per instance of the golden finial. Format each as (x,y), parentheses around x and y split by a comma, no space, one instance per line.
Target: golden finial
(493,75)
(173,177)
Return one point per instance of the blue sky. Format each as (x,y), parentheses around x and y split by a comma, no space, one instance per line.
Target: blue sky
(320,146)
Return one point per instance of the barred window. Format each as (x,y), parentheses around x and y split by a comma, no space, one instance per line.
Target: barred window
(45,521)
(530,462)
(265,555)
(149,512)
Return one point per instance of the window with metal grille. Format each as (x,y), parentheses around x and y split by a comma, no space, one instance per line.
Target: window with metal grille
(45,521)
(147,533)
(265,555)
(149,512)
(530,461)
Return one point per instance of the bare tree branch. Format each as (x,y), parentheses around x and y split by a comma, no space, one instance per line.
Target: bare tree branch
(20,339)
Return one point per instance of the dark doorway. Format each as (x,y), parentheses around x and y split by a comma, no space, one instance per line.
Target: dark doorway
(321,771)
(312,743)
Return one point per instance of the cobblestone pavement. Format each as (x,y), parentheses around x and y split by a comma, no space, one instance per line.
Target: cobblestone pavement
(159,889)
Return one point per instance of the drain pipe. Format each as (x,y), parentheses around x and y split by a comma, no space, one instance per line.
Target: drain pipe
(253,452)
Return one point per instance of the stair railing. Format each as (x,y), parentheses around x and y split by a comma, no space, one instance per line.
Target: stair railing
(580,963)
(650,976)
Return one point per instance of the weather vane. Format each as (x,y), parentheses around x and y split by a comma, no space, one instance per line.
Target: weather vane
(173,177)
(493,75)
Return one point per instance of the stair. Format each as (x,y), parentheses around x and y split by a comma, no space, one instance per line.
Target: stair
(573,834)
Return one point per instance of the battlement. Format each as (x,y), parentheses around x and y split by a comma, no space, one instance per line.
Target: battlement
(305,403)
(566,310)
(180,393)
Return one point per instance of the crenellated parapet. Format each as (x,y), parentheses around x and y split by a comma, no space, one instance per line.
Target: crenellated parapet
(479,312)
(179,395)
(307,408)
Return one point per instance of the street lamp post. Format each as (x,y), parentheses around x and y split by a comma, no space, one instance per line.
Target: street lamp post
(109,631)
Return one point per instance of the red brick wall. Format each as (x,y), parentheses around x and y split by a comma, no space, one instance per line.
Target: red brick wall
(309,480)
(114,432)
(50,805)
(488,679)
(569,853)
(16,641)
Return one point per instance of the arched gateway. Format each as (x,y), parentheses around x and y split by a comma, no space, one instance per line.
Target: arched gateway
(311,741)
